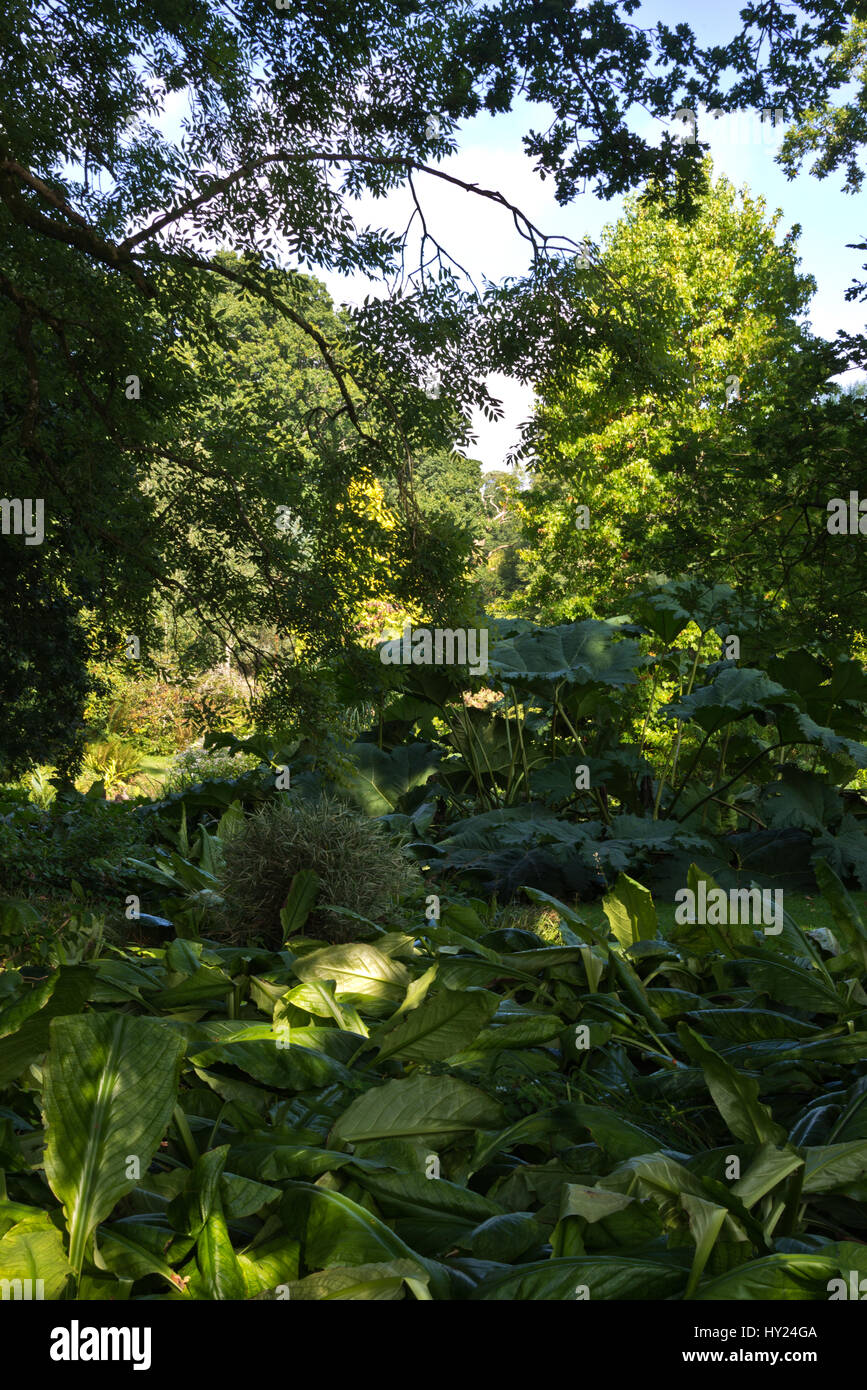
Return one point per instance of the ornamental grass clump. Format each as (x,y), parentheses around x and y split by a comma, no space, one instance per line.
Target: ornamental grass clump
(358,866)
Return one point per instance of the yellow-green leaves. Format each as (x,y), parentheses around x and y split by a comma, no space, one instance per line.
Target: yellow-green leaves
(110,1086)
(630,912)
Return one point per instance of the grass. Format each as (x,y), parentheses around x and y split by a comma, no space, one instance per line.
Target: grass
(156,767)
(357,865)
(152,774)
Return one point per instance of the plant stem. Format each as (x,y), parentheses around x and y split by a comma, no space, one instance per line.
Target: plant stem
(597,795)
(186,1134)
(689,773)
(520,733)
(732,780)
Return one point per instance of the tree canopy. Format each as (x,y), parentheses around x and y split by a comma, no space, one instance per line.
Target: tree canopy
(119,214)
(697,433)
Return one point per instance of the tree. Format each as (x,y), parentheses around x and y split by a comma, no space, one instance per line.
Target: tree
(697,434)
(834,132)
(311,518)
(109,224)
(499,576)
(43,658)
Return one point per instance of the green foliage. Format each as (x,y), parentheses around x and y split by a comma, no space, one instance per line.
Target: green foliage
(500,576)
(617,747)
(83,838)
(43,654)
(112,762)
(449,489)
(190,394)
(832,131)
(40,789)
(197,765)
(697,427)
(463,1113)
(281,1078)
(110,1088)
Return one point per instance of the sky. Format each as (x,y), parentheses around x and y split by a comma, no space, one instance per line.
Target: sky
(483,238)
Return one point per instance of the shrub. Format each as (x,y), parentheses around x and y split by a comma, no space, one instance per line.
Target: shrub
(39,787)
(149,714)
(155,716)
(160,717)
(85,839)
(218,700)
(196,765)
(359,867)
(112,762)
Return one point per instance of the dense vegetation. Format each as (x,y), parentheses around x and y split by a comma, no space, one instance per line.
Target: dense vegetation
(333,967)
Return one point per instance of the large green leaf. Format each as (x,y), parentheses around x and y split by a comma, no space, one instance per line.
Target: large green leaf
(503,1238)
(791,984)
(379,778)
(796,727)
(852,1122)
(361,973)
(670,607)
(800,799)
(769,1167)
(292,1068)
(406,1193)
(773,1277)
(750,1025)
(370,1282)
(533,1031)
(706,1220)
(337,1231)
(834,1166)
(847,919)
(438,1028)
(33,1249)
(268,1263)
(277,1154)
(111,1082)
(618,1137)
(438,1108)
(299,902)
(133,1250)
(630,912)
(736,693)
(220,1274)
(24,1025)
(431,1214)
(577,653)
(611,1277)
(735,1096)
